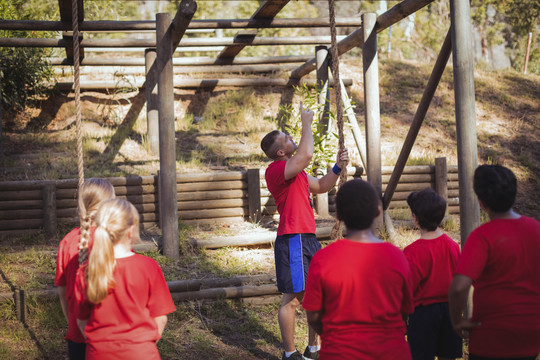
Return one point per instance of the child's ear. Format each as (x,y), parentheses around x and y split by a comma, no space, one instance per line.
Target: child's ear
(130,232)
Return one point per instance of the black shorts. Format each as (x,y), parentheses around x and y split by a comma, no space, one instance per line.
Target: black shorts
(430,333)
(293,253)
(475,357)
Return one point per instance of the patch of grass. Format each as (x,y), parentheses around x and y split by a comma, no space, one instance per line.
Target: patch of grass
(229,111)
(450,224)
(420,160)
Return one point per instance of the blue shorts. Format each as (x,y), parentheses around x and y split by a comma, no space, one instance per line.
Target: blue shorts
(293,253)
(430,333)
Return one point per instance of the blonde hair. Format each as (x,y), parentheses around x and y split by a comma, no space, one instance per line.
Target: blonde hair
(113,221)
(91,194)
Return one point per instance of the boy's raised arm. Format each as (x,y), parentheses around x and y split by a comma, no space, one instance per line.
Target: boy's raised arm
(301,159)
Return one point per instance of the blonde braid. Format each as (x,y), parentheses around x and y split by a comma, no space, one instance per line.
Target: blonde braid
(92,193)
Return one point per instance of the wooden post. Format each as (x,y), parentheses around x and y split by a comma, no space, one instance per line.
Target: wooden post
(527,53)
(418,119)
(151,92)
(50,222)
(371,100)
(1,149)
(469,209)
(254,195)
(20,305)
(167,144)
(441,177)
(321,53)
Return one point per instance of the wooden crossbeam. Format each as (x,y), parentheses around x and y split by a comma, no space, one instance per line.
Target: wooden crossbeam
(393,15)
(185,61)
(188,42)
(150,25)
(268,10)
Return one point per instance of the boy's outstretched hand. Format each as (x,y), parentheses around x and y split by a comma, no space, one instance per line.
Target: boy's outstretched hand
(306,115)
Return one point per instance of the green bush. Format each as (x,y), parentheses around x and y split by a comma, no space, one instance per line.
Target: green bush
(24,72)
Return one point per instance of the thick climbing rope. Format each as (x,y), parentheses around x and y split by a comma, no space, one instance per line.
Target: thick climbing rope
(83,245)
(336,232)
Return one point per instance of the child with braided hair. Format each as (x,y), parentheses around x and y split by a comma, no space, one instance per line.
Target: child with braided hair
(122,297)
(72,251)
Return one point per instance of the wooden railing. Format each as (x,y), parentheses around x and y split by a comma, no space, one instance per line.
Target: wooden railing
(28,207)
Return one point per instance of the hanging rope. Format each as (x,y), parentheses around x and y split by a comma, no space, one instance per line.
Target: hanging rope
(336,232)
(83,245)
(77,89)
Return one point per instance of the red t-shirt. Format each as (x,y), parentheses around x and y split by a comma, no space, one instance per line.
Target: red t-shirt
(432,266)
(293,200)
(502,258)
(363,290)
(127,313)
(67,263)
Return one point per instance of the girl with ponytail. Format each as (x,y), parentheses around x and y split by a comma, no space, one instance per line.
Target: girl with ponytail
(72,251)
(122,297)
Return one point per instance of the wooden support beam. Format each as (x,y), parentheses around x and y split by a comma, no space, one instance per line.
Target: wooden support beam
(241,40)
(185,61)
(181,21)
(192,83)
(462,58)
(267,10)
(66,17)
(418,118)
(390,17)
(150,25)
(370,63)
(151,94)
(148,43)
(167,145)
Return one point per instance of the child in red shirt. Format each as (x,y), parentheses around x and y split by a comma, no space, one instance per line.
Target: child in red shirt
(500,258)
(72,251)
(432,259)
(122,297)
(359,288)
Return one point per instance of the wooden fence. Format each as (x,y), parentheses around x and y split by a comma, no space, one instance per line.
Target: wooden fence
(28,207)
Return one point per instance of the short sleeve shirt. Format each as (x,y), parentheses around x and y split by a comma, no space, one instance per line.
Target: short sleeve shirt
(67,263)
(127,313)
(293,200)
(432,264)
(363,289)
(501,257)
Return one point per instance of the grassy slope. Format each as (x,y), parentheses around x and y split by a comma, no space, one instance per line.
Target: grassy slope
(223,130)
(508,114)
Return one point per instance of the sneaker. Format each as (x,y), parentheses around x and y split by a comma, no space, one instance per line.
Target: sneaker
(308,355)
(294,356)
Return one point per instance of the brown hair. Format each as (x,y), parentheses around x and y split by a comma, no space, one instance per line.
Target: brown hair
(91,194)
(269,144)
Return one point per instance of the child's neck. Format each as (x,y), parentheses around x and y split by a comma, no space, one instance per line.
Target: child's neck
(510,214)
(430,234)
(122,251)
(362,236)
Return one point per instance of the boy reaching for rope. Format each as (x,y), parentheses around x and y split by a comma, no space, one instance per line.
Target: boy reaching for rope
(296,243)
